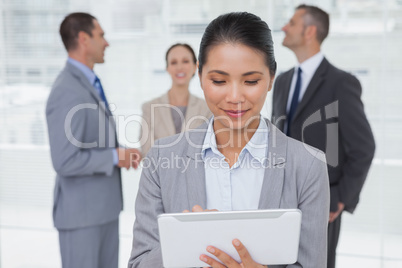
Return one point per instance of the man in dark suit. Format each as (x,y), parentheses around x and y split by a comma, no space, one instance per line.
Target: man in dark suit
(320,105)
(85,152)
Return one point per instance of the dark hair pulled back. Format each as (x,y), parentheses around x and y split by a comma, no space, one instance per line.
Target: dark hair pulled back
(239,28)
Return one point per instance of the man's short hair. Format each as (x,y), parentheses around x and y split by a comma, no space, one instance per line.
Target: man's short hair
(317,17)
(72,25)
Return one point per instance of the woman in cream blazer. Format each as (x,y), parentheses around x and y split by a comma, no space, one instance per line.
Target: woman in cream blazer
(158,119)
(177,110)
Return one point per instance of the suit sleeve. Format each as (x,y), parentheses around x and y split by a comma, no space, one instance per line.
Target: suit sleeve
(314,204)
(358,142)
(146,251)
(73,151)
(146,129)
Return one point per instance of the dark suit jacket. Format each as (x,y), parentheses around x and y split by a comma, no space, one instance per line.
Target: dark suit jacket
(331,117)
(82,134)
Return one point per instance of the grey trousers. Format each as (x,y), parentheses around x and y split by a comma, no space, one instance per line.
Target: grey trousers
(334,229)
(90,247)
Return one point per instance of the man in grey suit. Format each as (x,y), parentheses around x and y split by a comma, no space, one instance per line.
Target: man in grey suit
(320,105)
(85,152)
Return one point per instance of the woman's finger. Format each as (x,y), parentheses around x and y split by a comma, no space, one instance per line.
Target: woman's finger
(197,208)
(223,257)
(212,262)
(244,255)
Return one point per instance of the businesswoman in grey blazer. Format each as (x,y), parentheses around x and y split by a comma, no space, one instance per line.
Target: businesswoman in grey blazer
(177,110)
(238,160)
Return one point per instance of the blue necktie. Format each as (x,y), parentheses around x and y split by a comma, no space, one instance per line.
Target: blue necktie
(295,100)
(99,87)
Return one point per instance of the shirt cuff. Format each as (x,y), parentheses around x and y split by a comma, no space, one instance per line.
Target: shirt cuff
(115,157)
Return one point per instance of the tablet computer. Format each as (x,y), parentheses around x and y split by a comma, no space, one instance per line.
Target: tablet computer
(270,236)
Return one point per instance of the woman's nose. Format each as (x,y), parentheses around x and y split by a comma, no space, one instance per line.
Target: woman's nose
(234,94)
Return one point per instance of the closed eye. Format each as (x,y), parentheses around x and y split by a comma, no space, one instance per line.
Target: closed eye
(217,82)
(252,82)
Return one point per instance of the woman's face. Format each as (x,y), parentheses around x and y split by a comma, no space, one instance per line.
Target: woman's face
(180,65)
(235,81)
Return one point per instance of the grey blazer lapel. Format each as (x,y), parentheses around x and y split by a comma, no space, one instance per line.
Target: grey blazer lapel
(196,170)
(271,191)
(87,86)
(314,85)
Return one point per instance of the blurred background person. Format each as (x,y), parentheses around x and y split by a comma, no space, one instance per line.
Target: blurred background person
(177,110)
(315,88)
(85,153)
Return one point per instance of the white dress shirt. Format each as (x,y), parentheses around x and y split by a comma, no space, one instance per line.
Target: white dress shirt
(237,187)
(308,68)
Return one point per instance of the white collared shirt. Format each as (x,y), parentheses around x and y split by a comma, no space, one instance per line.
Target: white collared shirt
(237,187)
(308,68)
